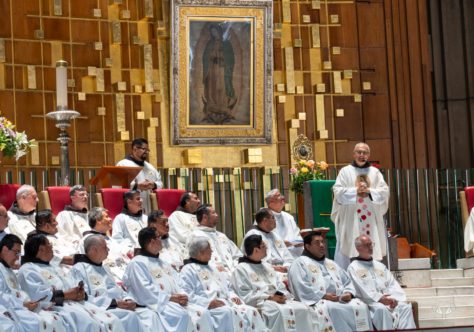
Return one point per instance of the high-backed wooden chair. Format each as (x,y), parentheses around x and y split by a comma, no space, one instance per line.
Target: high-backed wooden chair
(54,198)
(166,200)
(112,200)
(8,194)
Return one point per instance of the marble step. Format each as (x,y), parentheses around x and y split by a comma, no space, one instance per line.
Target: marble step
(439,291)
(440,322)
(458,300)
(444,310)
(453,281)
(447,273)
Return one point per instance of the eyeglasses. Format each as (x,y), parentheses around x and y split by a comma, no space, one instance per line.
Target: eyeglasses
(368,245)
(363,152)
(16,252)
(144,149)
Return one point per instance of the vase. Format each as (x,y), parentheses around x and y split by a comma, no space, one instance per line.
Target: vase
(300,210)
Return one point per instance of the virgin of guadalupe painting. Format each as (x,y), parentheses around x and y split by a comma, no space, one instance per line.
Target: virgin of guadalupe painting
(220,73)
(222,88)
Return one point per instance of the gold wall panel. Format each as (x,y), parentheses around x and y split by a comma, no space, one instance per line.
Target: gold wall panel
(31,77)
(2,50)
(148,67)
(100,80)
(286,9)
(290,70)
(315,35)
(2,76)
(151,137)
(57,7)
(146,105)
(337,81)
(320,116)
(116,32)
(120,111)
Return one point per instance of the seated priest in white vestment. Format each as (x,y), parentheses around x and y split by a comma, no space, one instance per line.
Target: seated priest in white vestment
(131,220)
(7,322)
(22,212)
(53,290)
(4,218)
(153,283)
(320,283)
(64,250)
(260,286)
(278,254)
(376,286)
(183,220)
(286,226)
(208,288)
(102,290)
(225,253)
(173,251)
(120,253)
(72,221)
(26,313)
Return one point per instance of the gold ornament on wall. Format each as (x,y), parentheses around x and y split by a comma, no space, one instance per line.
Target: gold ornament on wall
(302,148)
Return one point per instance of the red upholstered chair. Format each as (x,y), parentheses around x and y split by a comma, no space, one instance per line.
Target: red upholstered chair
(58,198)
(167,199)
(8,194)
(112,199)
(469,198)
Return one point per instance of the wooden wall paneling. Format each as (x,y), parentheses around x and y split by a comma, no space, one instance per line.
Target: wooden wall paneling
(24,28)
(85,55)
(348,127)
(281,122)
(348,59)
(295,17)
(346,36)
(380,152)
(26,52)
(416,84)
(81,31)
(85,10)
(426,65)
(5,27)
(283,156)
(277,55)
(310,122)
(376,117)
(307,84)
(373,69)
(55,29)
(398,91)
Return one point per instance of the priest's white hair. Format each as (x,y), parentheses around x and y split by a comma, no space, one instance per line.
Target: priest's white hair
(197,245)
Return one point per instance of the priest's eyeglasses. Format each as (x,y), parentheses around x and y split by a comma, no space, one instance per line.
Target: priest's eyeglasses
(368,245)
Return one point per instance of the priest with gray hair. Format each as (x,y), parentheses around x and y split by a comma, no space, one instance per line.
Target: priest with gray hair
(206,287)
(376,286)
(102,290)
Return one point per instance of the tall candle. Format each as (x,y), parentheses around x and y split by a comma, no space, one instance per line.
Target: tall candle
(61,84)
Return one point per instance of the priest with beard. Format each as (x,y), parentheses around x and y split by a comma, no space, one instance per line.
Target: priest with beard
(102,290)
(377,287)
(131,220)
(360,202)
(149,178)
(183,220)
(260,286)
(318,282)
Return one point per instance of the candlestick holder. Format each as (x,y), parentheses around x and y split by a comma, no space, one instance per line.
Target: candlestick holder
(63,117)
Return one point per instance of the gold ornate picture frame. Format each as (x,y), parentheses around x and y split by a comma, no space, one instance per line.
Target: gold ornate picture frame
(221,72)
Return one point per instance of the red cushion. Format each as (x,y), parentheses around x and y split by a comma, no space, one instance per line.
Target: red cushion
(8,194)
(113,200)
(469,198)
(58,198)
(168,199)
